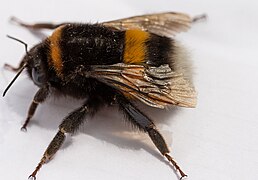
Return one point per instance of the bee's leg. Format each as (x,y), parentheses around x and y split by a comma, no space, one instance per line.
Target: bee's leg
(13,68)
(36,26)
(39,97)
(199,18)
(144,123)
(70,124)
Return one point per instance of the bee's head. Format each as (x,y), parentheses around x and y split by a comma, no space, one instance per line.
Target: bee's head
(34,61)
(36,67)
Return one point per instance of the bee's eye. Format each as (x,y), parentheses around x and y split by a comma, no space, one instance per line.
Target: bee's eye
(38,76)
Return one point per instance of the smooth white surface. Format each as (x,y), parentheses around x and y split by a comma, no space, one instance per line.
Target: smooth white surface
(217,140)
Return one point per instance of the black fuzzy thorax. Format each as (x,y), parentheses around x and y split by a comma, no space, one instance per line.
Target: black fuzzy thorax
(90,44)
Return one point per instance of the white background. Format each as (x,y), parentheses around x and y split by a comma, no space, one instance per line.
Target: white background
(216,140)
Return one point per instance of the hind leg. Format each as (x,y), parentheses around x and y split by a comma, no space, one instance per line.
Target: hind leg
(144,123)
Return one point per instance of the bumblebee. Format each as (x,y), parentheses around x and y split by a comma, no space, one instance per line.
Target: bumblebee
(110,63)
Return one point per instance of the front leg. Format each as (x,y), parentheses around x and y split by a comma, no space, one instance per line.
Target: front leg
(70,124)
(39,97)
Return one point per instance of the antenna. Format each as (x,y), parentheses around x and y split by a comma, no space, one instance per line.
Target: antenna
(20,41)
(21,68)
(18,73)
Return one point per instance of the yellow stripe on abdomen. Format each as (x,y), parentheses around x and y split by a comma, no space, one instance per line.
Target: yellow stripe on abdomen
(55,51)
(135,46)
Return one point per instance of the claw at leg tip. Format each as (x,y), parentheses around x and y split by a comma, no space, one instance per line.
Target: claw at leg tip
(183,177)
(23,129)
(14,19)
(32,177)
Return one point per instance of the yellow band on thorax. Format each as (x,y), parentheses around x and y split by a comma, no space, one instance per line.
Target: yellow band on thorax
(55,51)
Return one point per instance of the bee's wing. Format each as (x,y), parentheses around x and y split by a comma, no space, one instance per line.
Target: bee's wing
(155,86)
(166,24)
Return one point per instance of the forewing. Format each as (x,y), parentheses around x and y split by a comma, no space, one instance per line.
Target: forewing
(155,86)
(165,24)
